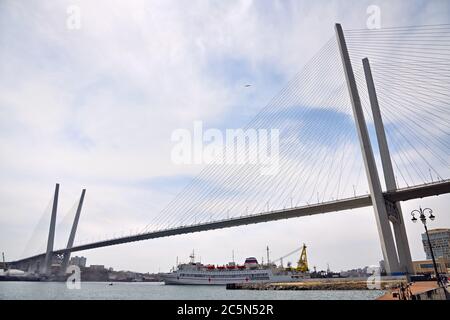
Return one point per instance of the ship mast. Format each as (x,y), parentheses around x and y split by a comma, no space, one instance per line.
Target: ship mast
(192,256)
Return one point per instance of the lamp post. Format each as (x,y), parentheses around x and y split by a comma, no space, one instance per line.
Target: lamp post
(421,212)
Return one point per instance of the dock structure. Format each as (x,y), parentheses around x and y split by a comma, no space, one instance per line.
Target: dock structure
(421,290)
(396,288)
(356,283)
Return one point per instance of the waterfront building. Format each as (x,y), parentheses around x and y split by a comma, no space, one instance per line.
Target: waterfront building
(98,267)
(78,261)
(440,241)
(426,266)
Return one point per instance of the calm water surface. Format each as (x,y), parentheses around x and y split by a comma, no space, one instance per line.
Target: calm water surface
(159,291)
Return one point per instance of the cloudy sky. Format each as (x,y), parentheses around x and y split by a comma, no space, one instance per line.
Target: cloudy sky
(94,107)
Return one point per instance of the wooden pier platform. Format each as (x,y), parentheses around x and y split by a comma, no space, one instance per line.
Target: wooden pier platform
(421,290)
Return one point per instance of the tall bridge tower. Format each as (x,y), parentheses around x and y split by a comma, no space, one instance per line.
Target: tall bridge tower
(396,259)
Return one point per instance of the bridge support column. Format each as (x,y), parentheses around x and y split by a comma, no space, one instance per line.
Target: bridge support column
(66,258)
(46,268)
(36,265)
(396,217)
(379,205)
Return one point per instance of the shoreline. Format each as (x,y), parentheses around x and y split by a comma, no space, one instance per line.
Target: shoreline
(320,285)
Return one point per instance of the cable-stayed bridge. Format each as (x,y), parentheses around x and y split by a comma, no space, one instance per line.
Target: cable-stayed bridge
(398,99)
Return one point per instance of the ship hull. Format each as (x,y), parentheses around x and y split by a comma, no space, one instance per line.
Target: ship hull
(223,278)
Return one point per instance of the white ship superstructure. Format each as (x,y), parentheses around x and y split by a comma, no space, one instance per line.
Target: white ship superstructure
(195,273)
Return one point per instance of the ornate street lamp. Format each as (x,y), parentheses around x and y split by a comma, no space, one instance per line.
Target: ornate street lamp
(421,212)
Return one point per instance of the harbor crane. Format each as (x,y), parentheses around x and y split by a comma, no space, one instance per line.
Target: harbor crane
(302,264)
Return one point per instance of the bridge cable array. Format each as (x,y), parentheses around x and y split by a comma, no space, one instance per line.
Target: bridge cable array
(319,155)
(411,68)
(317,136)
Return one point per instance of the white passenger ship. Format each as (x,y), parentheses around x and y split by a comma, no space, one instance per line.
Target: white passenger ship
(195,273)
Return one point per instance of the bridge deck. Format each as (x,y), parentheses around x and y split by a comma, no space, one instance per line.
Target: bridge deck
(415,192)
